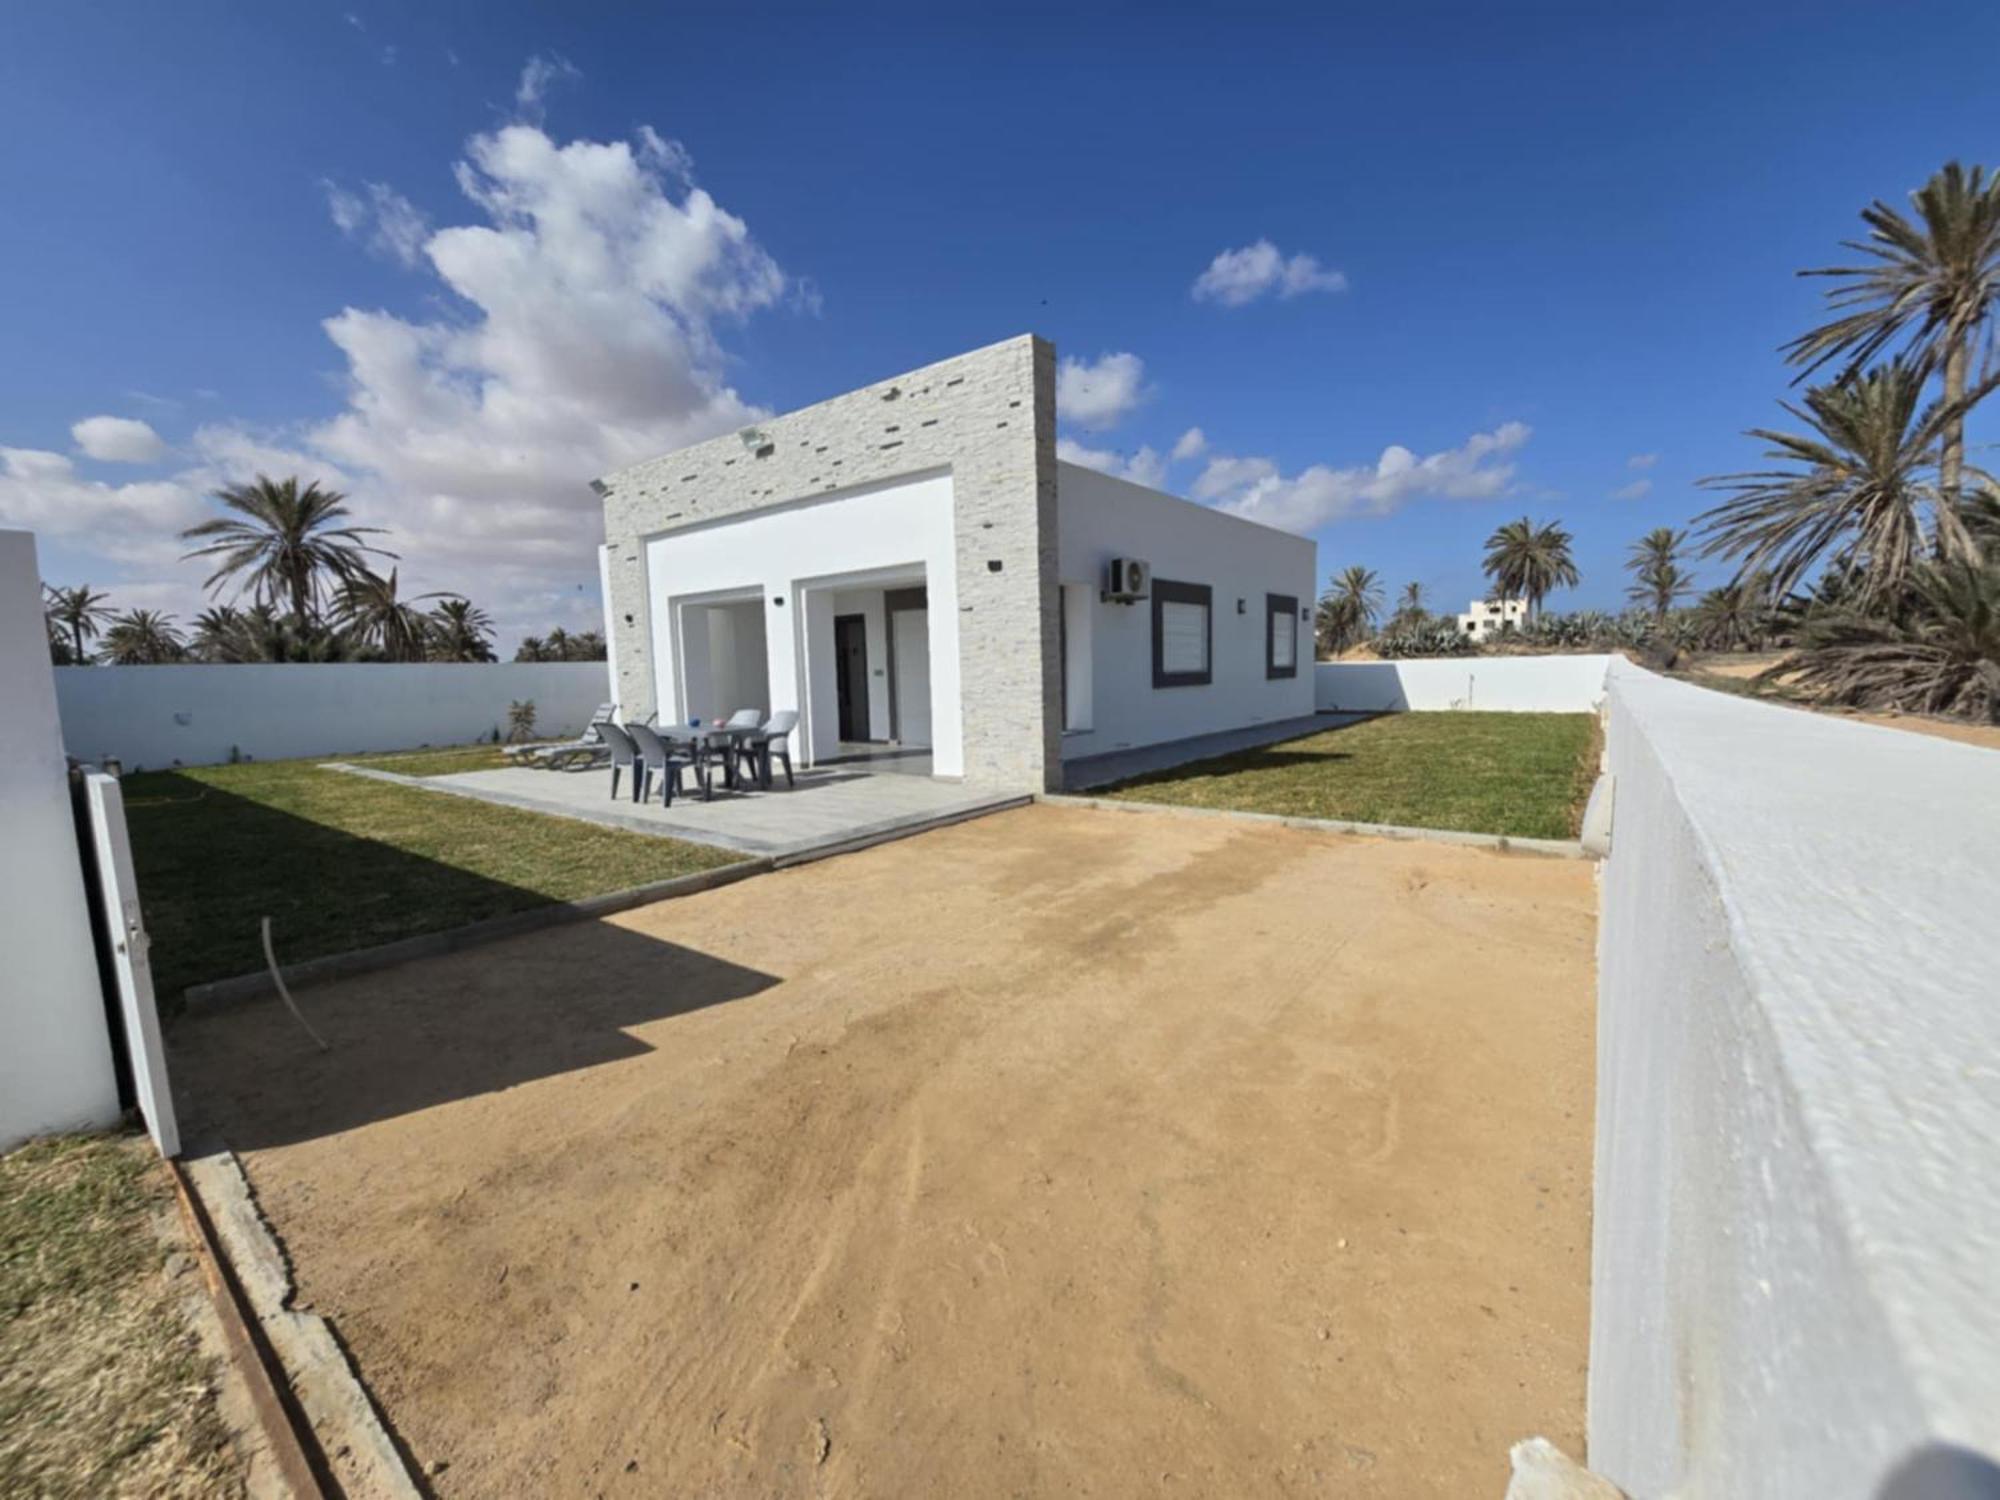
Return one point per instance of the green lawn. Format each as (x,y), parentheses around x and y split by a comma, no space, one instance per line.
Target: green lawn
(1525,775)
(341,861)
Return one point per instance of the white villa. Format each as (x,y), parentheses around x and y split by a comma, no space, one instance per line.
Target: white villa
(911,568)
(1485,618)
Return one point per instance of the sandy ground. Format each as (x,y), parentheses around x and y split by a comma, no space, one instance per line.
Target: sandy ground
(1065,1152)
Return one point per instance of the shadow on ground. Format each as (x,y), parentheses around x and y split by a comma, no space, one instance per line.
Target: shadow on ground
(430,1033)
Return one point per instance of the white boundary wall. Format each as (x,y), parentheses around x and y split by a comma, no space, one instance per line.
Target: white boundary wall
(1516,684)
(193,715)
(1796,1267)
(55,1040)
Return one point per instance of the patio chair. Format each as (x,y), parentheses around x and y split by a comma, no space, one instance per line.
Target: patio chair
(772,738)
(668,760)
(555,754)
(624,753)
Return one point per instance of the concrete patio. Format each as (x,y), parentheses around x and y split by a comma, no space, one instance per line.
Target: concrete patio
(831,807)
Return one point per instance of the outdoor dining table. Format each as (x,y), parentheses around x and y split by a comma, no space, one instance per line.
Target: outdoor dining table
(705,738)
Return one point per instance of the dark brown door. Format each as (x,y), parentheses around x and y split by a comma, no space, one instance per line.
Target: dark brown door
(850,654)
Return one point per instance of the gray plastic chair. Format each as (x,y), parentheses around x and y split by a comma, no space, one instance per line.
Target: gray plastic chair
(772,738)
(623,754)
(656,755)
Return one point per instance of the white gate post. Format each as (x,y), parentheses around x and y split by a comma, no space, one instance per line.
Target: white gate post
(56,1071)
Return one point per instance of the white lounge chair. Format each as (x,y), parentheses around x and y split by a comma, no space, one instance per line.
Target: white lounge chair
(577,754)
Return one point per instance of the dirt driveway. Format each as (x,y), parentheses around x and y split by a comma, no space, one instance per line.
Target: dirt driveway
(1064,1152)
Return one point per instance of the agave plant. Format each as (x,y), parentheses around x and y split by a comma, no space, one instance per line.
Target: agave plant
(1939,654)
(1433,638)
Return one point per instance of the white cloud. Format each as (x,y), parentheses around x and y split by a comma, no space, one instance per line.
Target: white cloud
(1638,489)
(594,287)
(1146,466)
(1191,444)
(124,523)
(119,440)
(1101,394)
(1236,277)
(585,293)
(381,218)
(1479,468)
(532,92)
(1642,460)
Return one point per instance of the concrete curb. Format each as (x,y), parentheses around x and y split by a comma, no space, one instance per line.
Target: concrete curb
(886,833)
(358,1450)
(1498,842)
(219,993)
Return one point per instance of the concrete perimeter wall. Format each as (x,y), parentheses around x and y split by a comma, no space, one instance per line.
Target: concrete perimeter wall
(1518,684)
(55,1039)
(192,715)
(1796,1267)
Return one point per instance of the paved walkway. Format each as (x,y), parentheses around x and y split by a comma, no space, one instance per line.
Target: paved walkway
(1117,765)
(829,808)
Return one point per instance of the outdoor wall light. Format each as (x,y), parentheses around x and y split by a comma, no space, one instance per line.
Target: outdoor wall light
(1239,606)
(777,601)
(993,565)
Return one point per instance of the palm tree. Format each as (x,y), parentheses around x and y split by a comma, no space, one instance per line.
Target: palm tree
(1938,654)
(1853,492)
(287,540)
(1658,579)
(143,638)
(587,647)
(367,607)
(1349,608)
(1526,561)
(460,631)
(531,649)
(219,634)
(1735,617)
(79,612)
(1410,612)
(556,644)
(1934,283)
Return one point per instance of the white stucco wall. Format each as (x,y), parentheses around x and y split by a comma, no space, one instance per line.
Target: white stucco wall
(192,715)
(1796,1267)
(1516,684)
(55,1045)
(804,553)
(1099,518)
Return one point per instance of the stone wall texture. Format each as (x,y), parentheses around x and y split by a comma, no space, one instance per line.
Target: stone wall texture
(989,418)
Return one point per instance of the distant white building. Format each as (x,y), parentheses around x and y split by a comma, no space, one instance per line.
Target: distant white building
(1485,618)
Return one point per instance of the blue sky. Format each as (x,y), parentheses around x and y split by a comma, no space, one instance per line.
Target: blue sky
(1546,253)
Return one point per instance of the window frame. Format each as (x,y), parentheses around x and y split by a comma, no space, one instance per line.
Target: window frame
(1288,606)
(1169,591)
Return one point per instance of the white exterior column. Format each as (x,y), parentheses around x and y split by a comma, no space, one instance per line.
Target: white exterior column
(55,1044)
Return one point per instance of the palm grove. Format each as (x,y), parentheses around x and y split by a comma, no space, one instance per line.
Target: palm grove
(1869,547)
(303,590)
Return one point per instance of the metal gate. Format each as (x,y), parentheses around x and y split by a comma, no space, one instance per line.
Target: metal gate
(115,894)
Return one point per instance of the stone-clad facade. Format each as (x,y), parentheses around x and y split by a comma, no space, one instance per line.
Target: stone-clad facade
(989,418)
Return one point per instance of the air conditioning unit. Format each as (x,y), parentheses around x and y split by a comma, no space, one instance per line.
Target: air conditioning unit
(1127,579)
